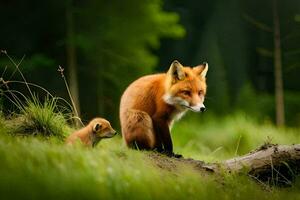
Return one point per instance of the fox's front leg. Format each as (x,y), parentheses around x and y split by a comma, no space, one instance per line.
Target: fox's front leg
(163,135)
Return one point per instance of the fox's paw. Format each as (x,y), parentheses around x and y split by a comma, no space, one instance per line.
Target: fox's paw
(172,154)
(177,155)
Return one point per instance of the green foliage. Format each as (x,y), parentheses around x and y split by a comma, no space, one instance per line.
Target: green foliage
(255,104)
(262,106)
(292,108)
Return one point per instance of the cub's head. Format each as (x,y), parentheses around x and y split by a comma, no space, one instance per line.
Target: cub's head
(185,87)
(101,128)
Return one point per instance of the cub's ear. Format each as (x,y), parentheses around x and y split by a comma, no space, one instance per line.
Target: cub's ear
(202,69)
(97,127)
(176,71)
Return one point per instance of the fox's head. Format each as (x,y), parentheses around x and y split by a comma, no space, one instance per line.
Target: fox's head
(101,128)
(185,87)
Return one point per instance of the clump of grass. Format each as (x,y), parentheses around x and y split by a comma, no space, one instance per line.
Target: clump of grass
(40,119)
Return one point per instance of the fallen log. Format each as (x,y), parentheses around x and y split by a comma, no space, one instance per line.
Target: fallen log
(271,164)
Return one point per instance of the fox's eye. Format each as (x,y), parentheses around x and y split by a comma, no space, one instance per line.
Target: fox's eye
(200,92)
(186,92)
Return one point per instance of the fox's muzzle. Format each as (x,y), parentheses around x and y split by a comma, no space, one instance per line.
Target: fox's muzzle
(197,108)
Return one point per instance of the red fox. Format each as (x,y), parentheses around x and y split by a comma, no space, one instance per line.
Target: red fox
(91,134)
(150,104)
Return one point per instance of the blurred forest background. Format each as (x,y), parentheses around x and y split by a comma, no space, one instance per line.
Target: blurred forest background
(104,45)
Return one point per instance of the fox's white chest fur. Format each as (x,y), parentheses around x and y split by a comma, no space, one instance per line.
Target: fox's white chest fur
(176,115)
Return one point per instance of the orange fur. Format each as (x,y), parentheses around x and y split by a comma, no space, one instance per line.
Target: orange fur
(91,134)
(151,103)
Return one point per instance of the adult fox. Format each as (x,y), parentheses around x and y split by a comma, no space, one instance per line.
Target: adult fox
(150,104)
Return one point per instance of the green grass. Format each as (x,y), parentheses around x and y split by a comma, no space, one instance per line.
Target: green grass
(35,168)
(214,139)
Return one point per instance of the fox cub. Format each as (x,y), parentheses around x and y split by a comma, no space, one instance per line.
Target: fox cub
(91,134)
(150,104)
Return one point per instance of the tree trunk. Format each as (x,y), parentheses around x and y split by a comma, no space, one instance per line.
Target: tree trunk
(270,164)
(72,58)
(280,119)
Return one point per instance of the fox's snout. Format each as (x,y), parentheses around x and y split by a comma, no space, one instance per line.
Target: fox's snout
(110,134)
(202,109)
(198,108)
(179,101)
(114,133)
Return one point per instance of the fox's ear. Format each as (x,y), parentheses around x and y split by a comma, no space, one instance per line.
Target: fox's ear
(97,127)
(176,71)
(202,69)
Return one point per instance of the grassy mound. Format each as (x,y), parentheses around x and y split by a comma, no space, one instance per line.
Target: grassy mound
(34,169)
